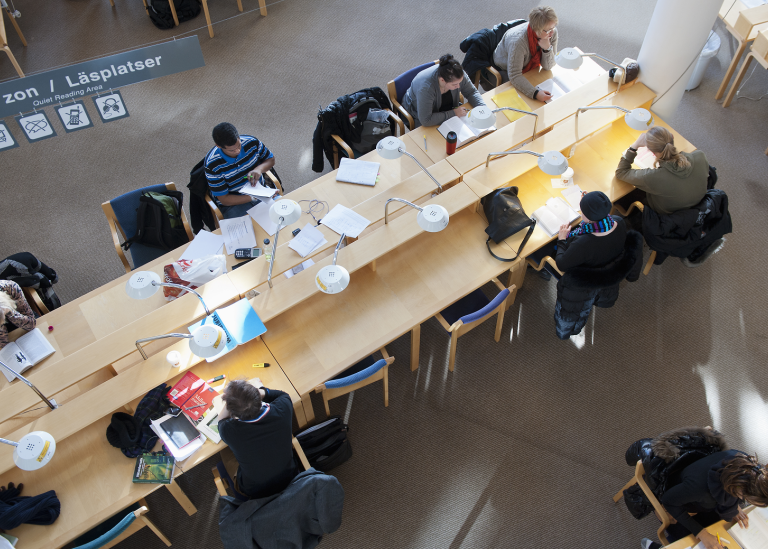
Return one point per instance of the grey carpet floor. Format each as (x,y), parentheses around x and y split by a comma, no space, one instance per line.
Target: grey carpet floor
(523,444)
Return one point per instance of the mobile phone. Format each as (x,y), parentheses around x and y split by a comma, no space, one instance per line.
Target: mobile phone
(261,365)
(247,253)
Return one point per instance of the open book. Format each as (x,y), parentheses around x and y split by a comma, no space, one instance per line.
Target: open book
(756,536)
(553,214)
(464,132)
(25,352)
(239,322)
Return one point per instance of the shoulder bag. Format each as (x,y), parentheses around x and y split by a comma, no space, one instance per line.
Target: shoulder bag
(506,217)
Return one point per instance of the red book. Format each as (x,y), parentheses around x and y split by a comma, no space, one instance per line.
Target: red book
(192,391)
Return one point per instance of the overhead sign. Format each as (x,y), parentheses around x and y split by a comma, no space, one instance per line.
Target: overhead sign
(98,76)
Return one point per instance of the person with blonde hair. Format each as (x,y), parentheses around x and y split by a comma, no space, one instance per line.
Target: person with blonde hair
(14,310)
(678,180)
(527,47)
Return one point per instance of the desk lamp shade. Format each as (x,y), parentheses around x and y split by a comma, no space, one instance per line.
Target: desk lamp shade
(639,119)
(287,209)
(140,285)
(333,278)
(390,148)
(553,163)
(569,58)
(433,218)
(208,341)
(33,451)
(481,117)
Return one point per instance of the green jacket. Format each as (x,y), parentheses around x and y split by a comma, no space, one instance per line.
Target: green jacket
(669,188)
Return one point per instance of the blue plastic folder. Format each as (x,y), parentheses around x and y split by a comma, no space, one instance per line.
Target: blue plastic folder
(239,322)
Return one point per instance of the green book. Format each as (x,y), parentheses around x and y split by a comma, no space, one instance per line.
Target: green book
(154,469)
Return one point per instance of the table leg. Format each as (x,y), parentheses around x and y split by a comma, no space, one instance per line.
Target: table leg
(731,69)
(298,411)
(179,495)
(263,7)
(415,342)
(739,78)
(309,412)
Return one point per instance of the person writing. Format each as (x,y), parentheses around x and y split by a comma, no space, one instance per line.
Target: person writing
(233,162)
(433,96)
(679,179)
(527,47)
(14,310)
(256,424)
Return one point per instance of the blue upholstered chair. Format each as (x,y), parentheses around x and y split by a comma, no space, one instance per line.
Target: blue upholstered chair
(397,88)
(367,371)
(472,310)
(114,530)
(121,216)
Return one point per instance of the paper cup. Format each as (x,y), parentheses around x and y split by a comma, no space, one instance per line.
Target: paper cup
(567,177)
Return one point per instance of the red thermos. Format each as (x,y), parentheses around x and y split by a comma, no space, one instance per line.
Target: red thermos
(450,143)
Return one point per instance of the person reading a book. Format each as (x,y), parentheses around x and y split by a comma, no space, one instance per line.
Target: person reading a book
(234,161)
(433,96)
(15,312)
(710,490)
(256,424)
(527,47)
(678,180)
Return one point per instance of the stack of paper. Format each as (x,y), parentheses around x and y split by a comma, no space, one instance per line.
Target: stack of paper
(553,214)
(238,233)
(258,190)
(357,171)
(645,159)
(464,132)
(511,98)
(307,241)
(203,245)
(344,221)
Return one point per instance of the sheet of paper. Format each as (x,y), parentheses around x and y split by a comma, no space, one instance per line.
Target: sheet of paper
(238,233)
(260,214)
(645,158)
(550,86)
(358,171)
(573,195)
(557,183)
(258,190)
(344,221)
(298,268)
(203,245)
(307,240)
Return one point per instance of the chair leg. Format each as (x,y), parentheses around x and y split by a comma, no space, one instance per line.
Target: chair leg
(156,530)
(500,321)
(739,78)
(16,66)
(662,536)
(221,484)
(240,5)
(173,12)
(208,18)
(386,386)
(16,26)
(452,355)
(415,343)
(325,402)
(648,265)
(263,7)
(620,493)
(731,68)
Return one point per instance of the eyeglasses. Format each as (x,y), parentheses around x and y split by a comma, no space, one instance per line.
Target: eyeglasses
(549,31)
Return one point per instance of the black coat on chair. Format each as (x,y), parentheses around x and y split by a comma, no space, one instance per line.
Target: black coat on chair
(583,287)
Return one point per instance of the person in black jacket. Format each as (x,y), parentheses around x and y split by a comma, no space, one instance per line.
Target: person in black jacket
(256,424)
(712,488)
(595,256)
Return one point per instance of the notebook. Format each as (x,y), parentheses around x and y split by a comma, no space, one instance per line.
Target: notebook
(359,172)
(239,322)
(180,430)
(464,132)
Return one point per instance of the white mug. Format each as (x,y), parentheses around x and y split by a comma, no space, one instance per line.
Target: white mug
(567,177)
(174,358)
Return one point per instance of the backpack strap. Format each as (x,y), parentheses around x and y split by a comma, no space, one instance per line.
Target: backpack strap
(520,249)
(140,213)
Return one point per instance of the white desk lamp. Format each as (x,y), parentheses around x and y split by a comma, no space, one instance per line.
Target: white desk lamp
(144,284)
(333,278)
(392,148)
(571,58)
(432,218)
(484,117)
(637,119)
(50,402)
(551,162)
(283,212)
(205,341)
(33,451)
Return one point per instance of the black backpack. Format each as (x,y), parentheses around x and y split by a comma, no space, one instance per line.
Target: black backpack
(160,12)
(326,445)
(158,221)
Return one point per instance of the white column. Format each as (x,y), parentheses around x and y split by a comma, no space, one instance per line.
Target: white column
(675,37)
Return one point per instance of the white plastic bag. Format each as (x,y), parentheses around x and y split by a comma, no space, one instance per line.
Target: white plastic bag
(199,271)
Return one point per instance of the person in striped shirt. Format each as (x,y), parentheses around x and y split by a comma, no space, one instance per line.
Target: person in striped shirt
(235,161)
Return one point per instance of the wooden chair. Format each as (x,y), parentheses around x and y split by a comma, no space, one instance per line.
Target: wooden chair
(759,53)
(121,216)
(661,513)
(4,39)
(625,213)
(743,23)
(397,88)
(367,371)
(348,151)
(218,216)
(226,469)
(33,298)
(540,265)
(471,311)
(119,527)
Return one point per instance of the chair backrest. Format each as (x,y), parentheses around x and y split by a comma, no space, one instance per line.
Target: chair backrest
(357,376)
(488,310)
(661,513)
(124,207)
(115,531)
(403,82)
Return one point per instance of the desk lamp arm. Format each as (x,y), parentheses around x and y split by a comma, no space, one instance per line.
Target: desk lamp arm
(619,67)
(386,207)
(8,442)
(496,155)
(186,289)
(274,251)
(439,186)
(535,120)
(145,339)
(582,109)
(51,403)
(338,247)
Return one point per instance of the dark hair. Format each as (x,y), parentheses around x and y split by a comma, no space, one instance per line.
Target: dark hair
(225,135)
(243,399)
(449,68)
(744,478)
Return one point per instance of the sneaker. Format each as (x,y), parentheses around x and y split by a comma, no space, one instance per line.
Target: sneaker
(646,543)
(715,247)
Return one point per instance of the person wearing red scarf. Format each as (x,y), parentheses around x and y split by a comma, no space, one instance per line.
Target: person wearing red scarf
(527,47)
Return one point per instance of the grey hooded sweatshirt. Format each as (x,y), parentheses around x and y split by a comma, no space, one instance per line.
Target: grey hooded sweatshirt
(668,187)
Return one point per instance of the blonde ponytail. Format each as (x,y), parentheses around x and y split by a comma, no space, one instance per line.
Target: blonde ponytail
(661,141)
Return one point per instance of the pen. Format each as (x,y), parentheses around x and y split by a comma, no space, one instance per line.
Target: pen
(425,142)
(215,379)
(193,407)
